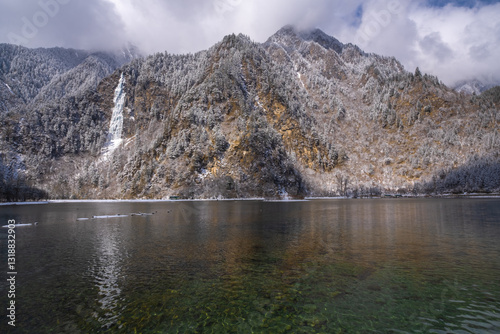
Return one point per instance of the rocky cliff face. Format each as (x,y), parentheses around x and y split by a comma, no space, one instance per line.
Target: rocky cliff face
(301,114)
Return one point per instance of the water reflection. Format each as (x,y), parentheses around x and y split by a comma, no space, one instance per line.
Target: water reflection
(319,266)
(106,269)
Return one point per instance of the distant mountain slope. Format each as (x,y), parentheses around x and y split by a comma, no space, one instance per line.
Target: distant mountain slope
(28,70)
(474,86)
(301,114)
(28,75)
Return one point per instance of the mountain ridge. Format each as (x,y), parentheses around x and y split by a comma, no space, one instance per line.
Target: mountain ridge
(474,86)
(28,71)
(299,115)
(291,34)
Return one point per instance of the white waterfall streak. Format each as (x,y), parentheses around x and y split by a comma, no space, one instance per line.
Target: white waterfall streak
(116,124)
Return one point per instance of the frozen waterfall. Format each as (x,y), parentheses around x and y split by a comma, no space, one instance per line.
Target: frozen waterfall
(116,124)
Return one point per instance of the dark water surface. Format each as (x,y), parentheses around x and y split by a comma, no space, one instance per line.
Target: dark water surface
(320,266)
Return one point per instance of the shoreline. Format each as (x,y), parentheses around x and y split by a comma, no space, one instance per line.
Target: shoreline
(307,198)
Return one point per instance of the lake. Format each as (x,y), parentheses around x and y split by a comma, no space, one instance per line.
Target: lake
(318,266)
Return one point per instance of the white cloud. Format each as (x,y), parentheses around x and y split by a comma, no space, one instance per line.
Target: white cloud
(156,26)
(454,43)
(66,23)
(385,29)
(472,37)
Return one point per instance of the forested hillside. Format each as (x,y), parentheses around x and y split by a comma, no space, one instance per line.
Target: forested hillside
(301,114)
(42,101)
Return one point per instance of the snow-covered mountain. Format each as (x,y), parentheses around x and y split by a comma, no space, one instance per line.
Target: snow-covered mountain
(301,114)
(42,75)
(474,86)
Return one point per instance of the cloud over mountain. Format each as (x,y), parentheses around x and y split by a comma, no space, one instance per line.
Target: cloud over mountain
(455,40)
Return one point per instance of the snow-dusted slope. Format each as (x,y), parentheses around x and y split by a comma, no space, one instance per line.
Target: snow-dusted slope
(475,86)
(302,114)
(42,75)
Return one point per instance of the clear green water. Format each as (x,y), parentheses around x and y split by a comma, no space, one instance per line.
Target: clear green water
(322,266)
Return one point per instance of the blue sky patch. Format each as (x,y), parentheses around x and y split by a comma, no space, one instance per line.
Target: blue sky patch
(358,16)
(461,3)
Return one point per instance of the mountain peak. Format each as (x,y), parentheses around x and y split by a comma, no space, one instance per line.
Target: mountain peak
(291,35)
(326,41)
(234,41)
(474,86)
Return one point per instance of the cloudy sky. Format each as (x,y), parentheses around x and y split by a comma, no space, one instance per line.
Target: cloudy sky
(454,40)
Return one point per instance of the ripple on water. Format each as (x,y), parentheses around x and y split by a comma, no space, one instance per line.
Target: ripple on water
(476,317)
